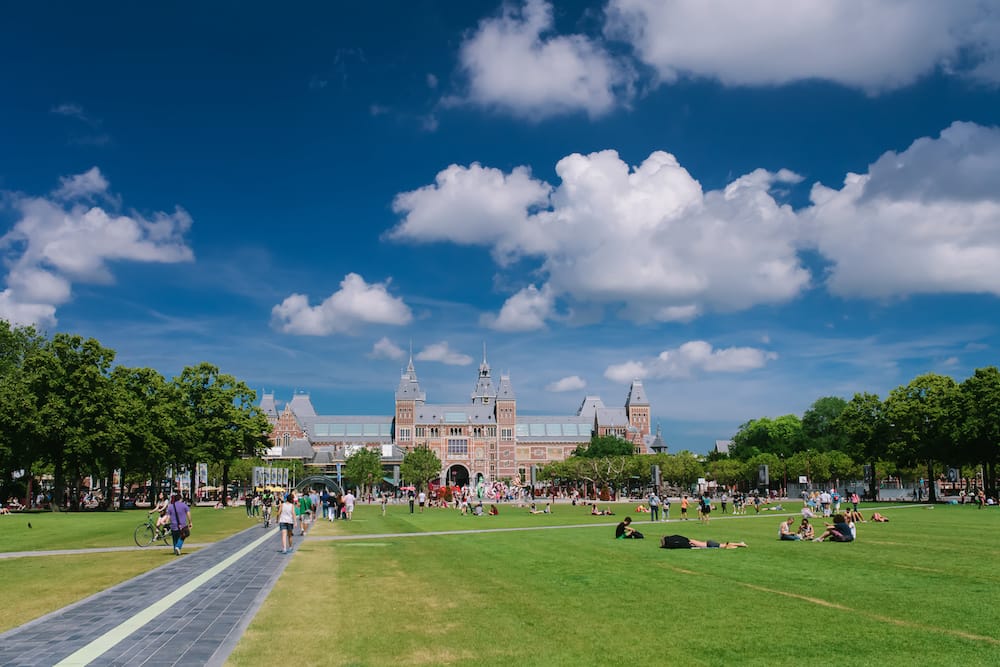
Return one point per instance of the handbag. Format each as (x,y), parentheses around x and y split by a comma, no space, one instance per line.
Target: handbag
(185,532)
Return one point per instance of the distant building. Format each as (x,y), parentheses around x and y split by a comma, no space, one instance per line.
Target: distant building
(722,446)
(482,439)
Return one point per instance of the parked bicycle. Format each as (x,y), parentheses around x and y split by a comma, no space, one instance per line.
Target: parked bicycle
(147,533)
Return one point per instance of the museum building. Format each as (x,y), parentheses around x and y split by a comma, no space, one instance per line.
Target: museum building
(482,439)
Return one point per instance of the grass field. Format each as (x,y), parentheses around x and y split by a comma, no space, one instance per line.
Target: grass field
(34,586)
(921,589)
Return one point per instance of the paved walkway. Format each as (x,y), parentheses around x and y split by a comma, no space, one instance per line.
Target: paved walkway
(191,611)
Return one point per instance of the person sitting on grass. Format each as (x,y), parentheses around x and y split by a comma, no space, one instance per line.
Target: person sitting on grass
(625,531)
(806,530)
(854,515)
(785,531)
(534,510)
(838,531)
(494,510)
(548,508)
(681,542)
(880,518)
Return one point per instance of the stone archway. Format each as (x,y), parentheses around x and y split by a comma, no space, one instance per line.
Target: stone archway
(457,475)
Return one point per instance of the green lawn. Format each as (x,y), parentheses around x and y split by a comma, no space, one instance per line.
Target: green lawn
(919,590)
(33,586)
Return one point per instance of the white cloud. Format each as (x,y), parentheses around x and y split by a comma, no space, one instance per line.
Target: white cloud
(874,45)
(525,311)
(70,109)
(58,240)
(356,303)
(690,358)
(926,220)
(441,353)
(514,63)
(82,186)
(432,81)
(645,239)
(386,349)
(571,383)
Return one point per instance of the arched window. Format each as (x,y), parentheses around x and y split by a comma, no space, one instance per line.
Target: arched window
(287,439)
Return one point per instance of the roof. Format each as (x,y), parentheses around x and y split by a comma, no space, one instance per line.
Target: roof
(302,406)
(409,386)
(636,395)
(555,429)
(298,448)
(590,406)
(612,417)
(506,391)
(267,405)
(454,413)
(722,446)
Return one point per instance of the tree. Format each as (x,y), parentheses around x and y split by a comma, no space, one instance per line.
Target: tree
(419,465)
(924,418)
(18,403)
(601,446)
(781,436)
(820,429)
(727,472)
(979,422)
(218,419)
(364,468)
(867,429)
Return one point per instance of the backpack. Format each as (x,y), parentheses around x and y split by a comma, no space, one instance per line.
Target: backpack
(674,542)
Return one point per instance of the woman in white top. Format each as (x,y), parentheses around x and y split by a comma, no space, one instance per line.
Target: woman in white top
(286,522)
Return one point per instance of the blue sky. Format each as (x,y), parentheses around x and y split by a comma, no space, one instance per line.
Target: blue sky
(749,206)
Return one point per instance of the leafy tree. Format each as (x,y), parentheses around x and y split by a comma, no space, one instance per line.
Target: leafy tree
(364,468)
(727,472)
(820,429)
(924,416)
(780,436)
(979,422)
(867,428)
(419,465)
(18,402)
(605,445)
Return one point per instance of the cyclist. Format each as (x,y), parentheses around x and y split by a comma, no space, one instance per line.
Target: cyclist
(266,501)
(161,508)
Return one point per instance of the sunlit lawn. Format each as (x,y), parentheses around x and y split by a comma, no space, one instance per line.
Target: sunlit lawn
(33,586)
(921,589)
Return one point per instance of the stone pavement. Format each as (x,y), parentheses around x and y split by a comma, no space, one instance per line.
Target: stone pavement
(191,611)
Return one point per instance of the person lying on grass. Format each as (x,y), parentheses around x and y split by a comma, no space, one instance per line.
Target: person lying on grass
(681,542)
(879,518)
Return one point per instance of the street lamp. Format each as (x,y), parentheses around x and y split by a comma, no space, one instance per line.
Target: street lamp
(784,477)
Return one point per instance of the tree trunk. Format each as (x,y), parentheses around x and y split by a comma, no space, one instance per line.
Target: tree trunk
(60,484)
(225,483)
(931,482)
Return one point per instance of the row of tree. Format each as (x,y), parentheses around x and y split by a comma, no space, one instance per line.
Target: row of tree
(930,422)
(68,411)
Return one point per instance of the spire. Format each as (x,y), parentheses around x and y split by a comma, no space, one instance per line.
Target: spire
(484,392)
(409,387)
(636,395)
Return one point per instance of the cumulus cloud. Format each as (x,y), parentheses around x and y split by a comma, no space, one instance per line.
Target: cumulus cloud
(646,239)
(386,349)
(571,383)
(875,45)
(355,304)
(61,239)
(690,358)
(925,220)
(525,311)
(441,353)
(513,62)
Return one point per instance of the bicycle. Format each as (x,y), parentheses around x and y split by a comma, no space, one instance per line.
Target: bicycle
(147,533)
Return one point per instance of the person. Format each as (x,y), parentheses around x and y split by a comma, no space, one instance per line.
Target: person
(879,518)
(838,531)
(855,500)
(180,518)
(349,504)
(421,501)
(684,507)
(533,509)
(493,510)
(665,507)
(384,498)
(286,522)
(722,501)
(705,513)
(248,503)
(854,515)
(681,542)
(410,496)
(806,530)
(625,531)
(548,508)
(785,531)
(654,506)
(161,508)
(267,502)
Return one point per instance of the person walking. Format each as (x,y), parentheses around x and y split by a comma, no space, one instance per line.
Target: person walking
(349,501)
(411,497)
(286,522)
(180,522)
(665,507)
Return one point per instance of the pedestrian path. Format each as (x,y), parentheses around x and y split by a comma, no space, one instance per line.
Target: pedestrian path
(191,611)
